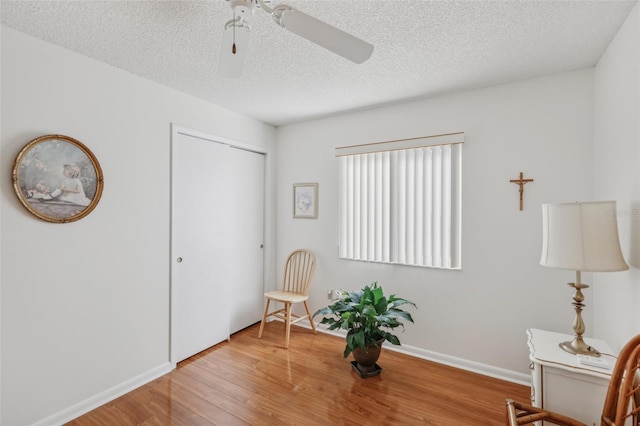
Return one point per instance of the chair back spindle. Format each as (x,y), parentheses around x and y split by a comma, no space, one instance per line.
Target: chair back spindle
(298,272)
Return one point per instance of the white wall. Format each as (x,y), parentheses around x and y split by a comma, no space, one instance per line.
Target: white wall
(85,305)
(617,177)
(542,127)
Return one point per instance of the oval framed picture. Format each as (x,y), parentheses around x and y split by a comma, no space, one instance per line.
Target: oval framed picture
(57,178)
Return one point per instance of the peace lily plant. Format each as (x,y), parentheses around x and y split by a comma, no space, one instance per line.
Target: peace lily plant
(366,315)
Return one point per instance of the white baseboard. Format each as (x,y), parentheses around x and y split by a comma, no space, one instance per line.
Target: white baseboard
(102,398)
(463,364)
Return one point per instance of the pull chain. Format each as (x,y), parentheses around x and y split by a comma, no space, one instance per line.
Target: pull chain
(233,47)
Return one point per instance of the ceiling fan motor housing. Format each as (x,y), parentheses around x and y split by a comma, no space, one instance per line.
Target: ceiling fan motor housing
(242,8)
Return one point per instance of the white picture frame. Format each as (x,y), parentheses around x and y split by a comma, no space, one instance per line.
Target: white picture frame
(305,200)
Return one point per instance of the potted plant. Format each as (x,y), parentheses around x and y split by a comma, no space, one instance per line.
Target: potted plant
(366,315)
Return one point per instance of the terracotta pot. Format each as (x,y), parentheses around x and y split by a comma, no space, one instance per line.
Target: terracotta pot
(366,359)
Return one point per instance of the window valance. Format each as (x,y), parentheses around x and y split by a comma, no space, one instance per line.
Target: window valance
(400,144)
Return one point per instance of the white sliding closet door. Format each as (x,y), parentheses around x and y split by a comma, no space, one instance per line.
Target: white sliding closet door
(247,287)
(217,228)
(200,269)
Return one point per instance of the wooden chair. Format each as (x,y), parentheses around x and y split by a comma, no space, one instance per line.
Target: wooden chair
(621,405)
(298,272)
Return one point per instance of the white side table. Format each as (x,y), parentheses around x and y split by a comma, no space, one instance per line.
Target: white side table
(559,383)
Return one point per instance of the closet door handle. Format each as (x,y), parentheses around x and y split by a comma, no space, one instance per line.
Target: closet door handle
(179,260)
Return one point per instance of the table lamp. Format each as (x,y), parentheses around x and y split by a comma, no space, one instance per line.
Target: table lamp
(581,237)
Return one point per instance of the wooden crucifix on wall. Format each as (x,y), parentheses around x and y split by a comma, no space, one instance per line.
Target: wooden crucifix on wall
(522,181)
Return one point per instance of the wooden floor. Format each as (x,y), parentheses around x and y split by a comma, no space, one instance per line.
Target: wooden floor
(248,381)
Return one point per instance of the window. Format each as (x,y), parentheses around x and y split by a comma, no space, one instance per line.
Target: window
(400,201)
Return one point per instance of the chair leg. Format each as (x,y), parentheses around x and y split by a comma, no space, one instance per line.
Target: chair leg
(264,318)
(287,325)
(313,326)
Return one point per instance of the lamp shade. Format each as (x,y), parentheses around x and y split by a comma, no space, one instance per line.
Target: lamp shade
(581,237)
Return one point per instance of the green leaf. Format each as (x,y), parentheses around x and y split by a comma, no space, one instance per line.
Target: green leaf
(347,351)
(392,339)
(334,326)
(377,294)
(358,339)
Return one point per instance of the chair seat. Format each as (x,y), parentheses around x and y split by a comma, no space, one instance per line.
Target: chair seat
(286,296)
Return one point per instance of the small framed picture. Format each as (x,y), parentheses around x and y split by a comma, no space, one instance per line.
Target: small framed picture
(57,178)
(305,200)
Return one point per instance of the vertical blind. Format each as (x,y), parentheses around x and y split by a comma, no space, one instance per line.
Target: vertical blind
(402,205)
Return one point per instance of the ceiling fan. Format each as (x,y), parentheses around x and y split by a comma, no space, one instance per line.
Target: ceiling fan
(235,41)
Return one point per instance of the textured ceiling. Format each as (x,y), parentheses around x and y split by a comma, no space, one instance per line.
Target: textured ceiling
(422,48)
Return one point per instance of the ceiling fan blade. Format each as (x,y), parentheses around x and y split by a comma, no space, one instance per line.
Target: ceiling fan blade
(232,60)
(322,34)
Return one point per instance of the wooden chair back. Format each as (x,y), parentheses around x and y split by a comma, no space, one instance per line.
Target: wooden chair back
(623,394)
(298,272)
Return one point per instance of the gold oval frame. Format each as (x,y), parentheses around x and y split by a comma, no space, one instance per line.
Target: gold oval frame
(42,162)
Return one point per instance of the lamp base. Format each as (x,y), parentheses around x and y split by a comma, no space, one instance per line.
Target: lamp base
(578,347)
